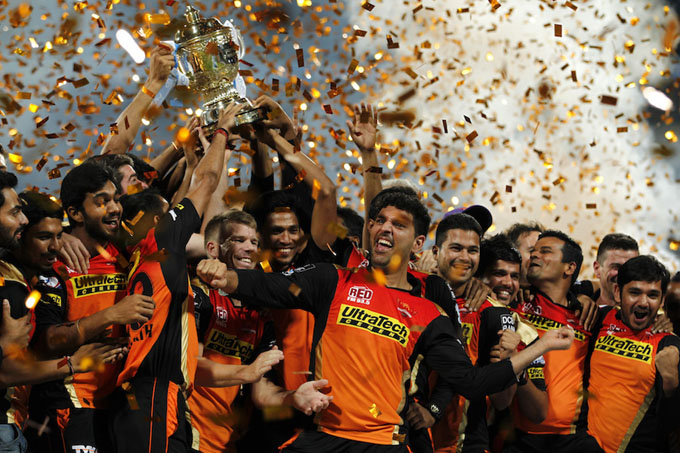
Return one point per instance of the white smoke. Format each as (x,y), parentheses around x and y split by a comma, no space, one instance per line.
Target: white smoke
(571,161)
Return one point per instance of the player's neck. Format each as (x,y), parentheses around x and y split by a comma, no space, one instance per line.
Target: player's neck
(398,279)
(555,291)
(91,244)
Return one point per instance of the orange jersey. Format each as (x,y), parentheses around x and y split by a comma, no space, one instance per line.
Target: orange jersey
(369,340)
(295,328)
(230,335)
(86,294)
(623,381)
(563,370)
(164,347)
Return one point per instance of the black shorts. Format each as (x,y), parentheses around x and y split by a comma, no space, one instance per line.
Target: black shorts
(315,442)
(153,419)
(69,431)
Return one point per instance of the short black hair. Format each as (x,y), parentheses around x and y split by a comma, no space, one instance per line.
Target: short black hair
(37,206)
(616,241)
(519,229)
(113,162)
(142,168)
(353,221)
(88,177)
(643,268)
(148,200)
(457,222)
(7,181)
(403,198)
(276,201)
(495,248)
(571,251)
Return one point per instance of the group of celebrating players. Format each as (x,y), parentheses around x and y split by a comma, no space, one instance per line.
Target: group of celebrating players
(171,313)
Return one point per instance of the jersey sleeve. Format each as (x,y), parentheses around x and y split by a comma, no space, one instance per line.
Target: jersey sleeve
(445,354)
(203,311)
(16,294)
(439,292)
(51,309)
(176,227)
(492,320)
(309,288)
(267,341)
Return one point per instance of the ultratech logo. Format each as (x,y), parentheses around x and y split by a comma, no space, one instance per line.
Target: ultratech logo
(636,350)
(84,285)
(375,323)
(229,345)
(541,323)
(535,373)
(360,295)
(467,332)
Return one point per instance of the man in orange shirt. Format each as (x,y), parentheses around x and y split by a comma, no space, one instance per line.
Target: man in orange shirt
(633,372)
(373,330)
(554,264)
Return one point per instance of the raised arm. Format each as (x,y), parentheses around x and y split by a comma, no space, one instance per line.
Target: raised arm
(208,171)
(129,121)
(363,130)
(322,188)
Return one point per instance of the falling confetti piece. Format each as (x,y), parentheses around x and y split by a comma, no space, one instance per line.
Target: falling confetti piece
(375,412)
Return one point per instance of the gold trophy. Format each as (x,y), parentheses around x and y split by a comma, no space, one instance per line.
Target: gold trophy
(208,54)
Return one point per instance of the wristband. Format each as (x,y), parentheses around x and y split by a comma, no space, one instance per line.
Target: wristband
(67,361)
(148,92)
(223,131)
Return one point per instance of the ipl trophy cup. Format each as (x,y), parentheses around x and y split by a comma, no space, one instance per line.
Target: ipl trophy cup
(208,53)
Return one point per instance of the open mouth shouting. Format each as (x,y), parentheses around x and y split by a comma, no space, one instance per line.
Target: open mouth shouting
(383,244)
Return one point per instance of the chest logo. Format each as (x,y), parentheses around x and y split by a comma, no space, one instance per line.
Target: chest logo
(360,295)
(229,345)
(85,285)
(625,347)
(375,323)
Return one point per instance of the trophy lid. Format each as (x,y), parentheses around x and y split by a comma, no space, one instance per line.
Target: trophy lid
(196,25)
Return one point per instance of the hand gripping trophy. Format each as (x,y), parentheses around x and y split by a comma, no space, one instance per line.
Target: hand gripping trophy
(208,54)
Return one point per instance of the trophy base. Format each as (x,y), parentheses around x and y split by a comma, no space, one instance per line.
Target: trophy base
(248,114)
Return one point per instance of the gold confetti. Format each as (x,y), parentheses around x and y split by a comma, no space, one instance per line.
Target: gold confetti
(32,299)
(558,30)
(375,412)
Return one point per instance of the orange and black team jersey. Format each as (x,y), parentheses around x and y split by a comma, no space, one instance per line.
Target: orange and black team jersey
(295,328)
(230,335)
(165,347)
(74,297)
(563,370)
(625,393)
(15,288)
(368,339)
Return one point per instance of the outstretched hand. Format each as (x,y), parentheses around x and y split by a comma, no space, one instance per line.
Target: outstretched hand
(364,127)
(308,399)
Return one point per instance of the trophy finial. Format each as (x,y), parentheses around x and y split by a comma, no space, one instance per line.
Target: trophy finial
(192,14)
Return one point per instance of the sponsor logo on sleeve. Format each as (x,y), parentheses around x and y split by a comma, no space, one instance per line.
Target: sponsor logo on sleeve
(375,323)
